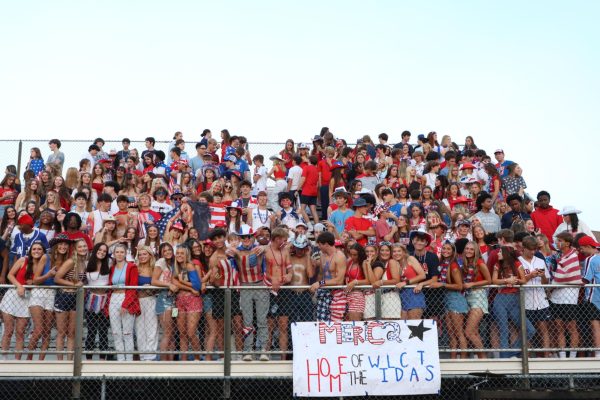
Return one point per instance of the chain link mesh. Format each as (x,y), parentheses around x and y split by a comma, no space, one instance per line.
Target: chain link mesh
(453,387)
(41,323)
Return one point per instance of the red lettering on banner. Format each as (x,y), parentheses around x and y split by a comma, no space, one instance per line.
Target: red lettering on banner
(309,374)
(324,371)
(335,328)
(357,334)
(370,337)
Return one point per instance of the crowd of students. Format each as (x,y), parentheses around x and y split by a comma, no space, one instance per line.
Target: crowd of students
(432,224)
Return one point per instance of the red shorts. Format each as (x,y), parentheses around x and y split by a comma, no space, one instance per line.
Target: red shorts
(188,303)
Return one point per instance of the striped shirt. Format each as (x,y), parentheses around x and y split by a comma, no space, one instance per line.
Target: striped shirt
(568,272)
(217,215)
(249,269)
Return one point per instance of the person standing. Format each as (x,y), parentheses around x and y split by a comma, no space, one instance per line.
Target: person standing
(56,157)
(545,217)
(589,247)
(123,304)
(331,304)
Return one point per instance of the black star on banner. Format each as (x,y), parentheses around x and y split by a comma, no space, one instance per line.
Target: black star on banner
(417,331)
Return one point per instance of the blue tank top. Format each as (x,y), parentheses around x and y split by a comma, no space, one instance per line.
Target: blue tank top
(49,281)
(120,276)
(144,280)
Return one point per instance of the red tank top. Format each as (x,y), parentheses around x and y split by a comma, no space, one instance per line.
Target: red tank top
(20,277)
(353,272)
(98,187)
(278,173)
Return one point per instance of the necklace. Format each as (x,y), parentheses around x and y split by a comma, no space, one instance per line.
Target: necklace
(260,216)
(275,258)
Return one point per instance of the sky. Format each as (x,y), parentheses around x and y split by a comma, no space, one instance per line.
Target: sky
(518,75)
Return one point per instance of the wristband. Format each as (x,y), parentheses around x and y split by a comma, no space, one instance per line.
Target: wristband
(322,282)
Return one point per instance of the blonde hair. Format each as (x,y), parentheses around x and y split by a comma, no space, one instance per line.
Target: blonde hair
(72,178)
(151,261)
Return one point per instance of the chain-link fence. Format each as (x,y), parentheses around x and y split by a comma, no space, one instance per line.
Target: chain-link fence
(565,386)
(253,322)
(230,326)
(17,151)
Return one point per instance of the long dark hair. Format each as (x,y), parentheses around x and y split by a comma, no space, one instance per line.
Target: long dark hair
(93,261)
(29,265)
(161,249)
(362,256)
(574,222)
(508,263)
(4,222)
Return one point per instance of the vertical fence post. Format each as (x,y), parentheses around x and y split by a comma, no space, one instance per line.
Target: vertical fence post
(524,338)
(378,304)
(78,353)
(19,155)
(227,344)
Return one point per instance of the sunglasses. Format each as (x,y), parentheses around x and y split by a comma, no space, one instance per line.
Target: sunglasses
(244,237)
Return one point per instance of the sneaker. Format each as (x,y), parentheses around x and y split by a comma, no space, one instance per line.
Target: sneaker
(264,357)
(248,357)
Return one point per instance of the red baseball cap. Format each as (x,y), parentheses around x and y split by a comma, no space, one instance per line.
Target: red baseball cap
(588,241)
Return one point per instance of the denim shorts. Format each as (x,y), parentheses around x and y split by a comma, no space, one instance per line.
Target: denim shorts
(65,301)
(478,298)
(164,302)
(456,302)
(207,304)
(411,300)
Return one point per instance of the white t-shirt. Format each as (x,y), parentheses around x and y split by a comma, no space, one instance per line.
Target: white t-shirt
(260,218)
(295,174)
(261,184)
(162,208)
(535,298)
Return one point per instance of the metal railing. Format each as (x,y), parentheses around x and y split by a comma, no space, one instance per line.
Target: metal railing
(16,151)
(225,316)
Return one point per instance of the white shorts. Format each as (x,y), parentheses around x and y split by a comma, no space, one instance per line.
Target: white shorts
(42,298)
(391,307)
(15,305)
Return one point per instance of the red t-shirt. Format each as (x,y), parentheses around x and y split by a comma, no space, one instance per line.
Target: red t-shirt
(325,170)
(358,224)
(311,175)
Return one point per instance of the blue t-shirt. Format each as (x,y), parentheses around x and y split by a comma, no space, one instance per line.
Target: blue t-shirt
(396,209)
(242,166)
(338,219)
(592,275)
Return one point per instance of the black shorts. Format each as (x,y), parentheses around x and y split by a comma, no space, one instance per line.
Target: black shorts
(591,312)
(218,308)
(538,315)
(65,301)
(565,312)
(308,200)
(282,304)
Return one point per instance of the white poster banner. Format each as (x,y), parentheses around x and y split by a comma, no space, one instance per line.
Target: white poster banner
(366,358)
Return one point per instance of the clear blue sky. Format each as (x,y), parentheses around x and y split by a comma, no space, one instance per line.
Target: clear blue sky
(520,75)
